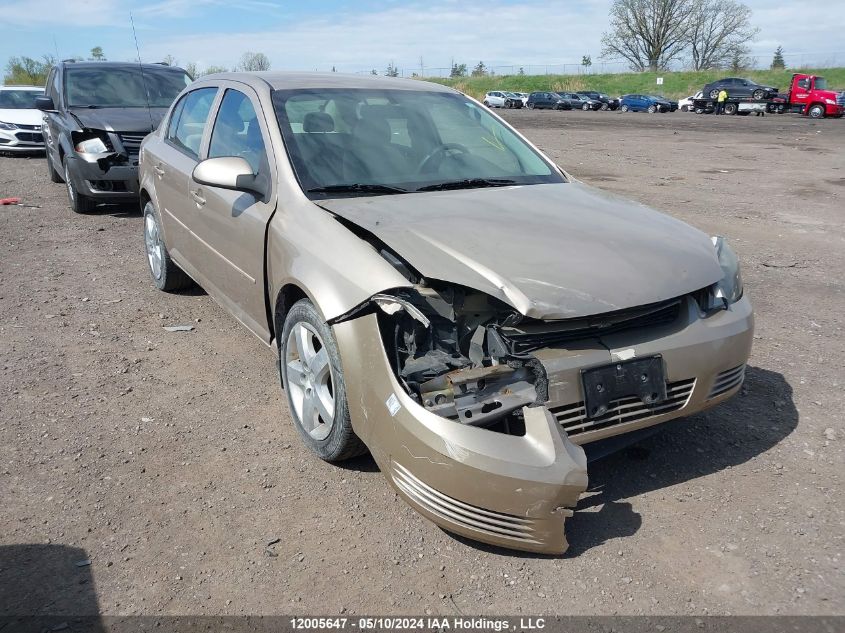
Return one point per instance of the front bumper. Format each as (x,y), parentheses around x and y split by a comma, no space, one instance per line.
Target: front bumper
(27,139)
(91,180)
(517,491)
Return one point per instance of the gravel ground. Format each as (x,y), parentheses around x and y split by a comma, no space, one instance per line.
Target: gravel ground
(167,460)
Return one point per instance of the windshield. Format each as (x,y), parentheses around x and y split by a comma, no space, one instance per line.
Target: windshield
(820,83)
(400,139)
(18,99)
(111,87)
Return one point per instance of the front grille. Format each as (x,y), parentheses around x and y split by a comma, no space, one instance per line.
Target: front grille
(30,137)
(131,143)
(840,99)
(727,380)
(573,417)
(37,128)
(496,524)
(525,340)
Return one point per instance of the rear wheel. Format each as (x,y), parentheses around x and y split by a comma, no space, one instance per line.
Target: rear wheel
(684,108)
(652,109)
(530,105)
(730,108)
(604,106)
(312,377)
(624,108)
(165,272)
(78,202)
(714,94)
(816,111)
(759,95)
(585,107)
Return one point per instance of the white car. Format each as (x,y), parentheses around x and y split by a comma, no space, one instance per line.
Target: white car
(495,99)
(20,122)
(685,104)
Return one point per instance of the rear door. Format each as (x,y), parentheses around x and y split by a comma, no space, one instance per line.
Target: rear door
(172,162)
(230,226)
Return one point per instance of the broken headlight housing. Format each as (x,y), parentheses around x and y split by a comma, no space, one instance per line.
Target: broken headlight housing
(94,145)
(445,350)
(729,288)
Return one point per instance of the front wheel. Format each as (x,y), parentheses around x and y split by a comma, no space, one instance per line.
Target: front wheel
(684,108)
(730,108)
(624,108)
(816,112)
(51,171)
(604,106)
(714,94)
(759,95)
(78,202)
(312,377)
(165,273)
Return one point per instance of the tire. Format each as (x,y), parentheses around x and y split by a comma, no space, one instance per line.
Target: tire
(699,110)
(51,171)
(585,107)
(531,105)
(730,108)
(624,107)
(816,111)
(605,106)
(487,103)
(77,202)
(652,109)
(714,94)
(313,380)
(165,273)
(758,95)
(684,108)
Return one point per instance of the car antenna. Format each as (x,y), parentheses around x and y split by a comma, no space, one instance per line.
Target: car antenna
(141,68)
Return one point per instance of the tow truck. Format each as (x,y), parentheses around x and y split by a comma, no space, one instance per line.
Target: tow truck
(808,95)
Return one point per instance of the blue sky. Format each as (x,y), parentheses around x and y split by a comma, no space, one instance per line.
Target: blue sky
(355,36)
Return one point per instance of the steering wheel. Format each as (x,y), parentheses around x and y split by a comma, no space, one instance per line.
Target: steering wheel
(435,157)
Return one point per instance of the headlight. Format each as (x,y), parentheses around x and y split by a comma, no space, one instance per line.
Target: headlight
(8,126)
(830,101)
(728,290)
(91,146)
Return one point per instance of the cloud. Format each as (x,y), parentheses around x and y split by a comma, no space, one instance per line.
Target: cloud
(469,31)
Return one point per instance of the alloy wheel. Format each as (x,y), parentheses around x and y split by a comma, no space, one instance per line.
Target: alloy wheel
(310,379)
(152,241)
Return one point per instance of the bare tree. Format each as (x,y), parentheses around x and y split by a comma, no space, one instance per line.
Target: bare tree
(192,69)
(717,31)
(254,61)
(647,33)
(170,60)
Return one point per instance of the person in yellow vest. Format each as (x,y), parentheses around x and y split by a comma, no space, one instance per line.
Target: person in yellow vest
(720,101)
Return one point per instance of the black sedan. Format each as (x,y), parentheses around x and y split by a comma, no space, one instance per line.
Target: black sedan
(578,102)
(738,88)
(607,102)
(549,100)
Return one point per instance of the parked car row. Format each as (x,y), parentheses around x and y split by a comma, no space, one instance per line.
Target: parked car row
(582,100)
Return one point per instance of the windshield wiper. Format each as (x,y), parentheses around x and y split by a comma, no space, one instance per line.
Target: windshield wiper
(88,107)
(469,183)
(357,188)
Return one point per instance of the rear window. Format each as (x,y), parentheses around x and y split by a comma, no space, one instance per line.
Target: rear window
(123,87)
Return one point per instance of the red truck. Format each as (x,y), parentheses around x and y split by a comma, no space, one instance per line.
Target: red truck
(808,95)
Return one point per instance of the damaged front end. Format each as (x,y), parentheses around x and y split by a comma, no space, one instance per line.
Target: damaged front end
(463,434)
(445,346)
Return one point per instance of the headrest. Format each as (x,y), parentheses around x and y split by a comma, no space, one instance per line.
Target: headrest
(318,122)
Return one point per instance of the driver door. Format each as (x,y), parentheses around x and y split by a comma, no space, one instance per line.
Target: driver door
(230,226)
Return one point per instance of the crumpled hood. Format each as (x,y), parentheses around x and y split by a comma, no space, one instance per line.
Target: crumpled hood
(120,119)
(552,251)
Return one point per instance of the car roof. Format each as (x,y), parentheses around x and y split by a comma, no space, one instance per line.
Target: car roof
(297,80)
(72,64)
(38,88)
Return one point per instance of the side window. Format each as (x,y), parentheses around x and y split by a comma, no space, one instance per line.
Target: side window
(53,87)
(191,120)
(174,118)
(237,132)
(804,83)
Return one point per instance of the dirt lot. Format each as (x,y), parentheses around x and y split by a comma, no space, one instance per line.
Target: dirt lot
(169,461)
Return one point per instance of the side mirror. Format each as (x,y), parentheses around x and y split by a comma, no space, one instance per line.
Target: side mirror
(45,104)
(228,172)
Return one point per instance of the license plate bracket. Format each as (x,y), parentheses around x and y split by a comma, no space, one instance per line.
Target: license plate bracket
(642,378)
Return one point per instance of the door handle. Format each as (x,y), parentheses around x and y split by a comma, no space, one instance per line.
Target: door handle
(195,194)
(158,170)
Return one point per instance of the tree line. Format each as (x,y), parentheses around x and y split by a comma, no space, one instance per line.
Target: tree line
(28,71)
